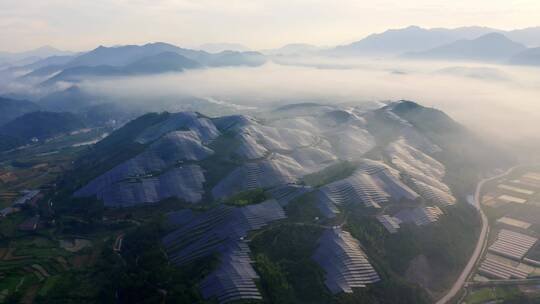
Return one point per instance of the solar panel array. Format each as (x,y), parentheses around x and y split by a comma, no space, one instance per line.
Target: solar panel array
(433,194)
(409,132)
(234,280)
(372,184)
(390,223)
(346,266)
(286,193)
(424,172)
(184,182)
(326,206)
(222,230)
(420,216)
(512,244)
(204,127)
(350,142)
(261,174)
(154,174)
(495,269)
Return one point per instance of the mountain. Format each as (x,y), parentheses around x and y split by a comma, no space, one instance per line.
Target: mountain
(37,125)
(42,72)
(154,64)
(22,58)
(220,47)
(78,73)
(49,61)
(160,63)
(528,36)
(71,99)
(530,57)
(489,47)
(410,39)
(129,60)
(11,109)
(125,55)
(267,202)
(232,58)
(293,49)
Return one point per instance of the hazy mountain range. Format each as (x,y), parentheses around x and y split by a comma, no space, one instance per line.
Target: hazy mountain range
(489,47)
(416,39)
(127,60)
(48,66)
(465,43)
(22,58)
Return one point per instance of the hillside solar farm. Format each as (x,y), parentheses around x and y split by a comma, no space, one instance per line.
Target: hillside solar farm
(300,204)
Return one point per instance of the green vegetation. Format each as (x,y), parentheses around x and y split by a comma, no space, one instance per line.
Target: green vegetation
(330,174)
(289,274)
(249,197)
(274,281)
(141,274)
(106,154)
(41,125)
(283,260)
(303,209)
(11,109)
(446,245)
(508,294)
(222,162)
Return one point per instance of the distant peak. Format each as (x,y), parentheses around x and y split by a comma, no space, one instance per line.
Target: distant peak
(413,27)
(158,44)
(493,36)
(403,106)
(46,48)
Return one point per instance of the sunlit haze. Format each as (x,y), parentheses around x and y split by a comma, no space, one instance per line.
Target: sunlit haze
(79,25)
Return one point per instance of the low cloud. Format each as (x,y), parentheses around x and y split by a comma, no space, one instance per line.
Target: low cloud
(503,104)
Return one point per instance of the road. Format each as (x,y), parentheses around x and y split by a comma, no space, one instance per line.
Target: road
(480,245)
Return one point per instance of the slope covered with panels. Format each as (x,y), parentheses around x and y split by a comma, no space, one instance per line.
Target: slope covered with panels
(261,174)
(409,132)
(145,178)
(286,193)
(277,169)
(343,131)
(372,184)
(222,231)
(184,182)
(350,142)
(345,265)
(419,216)
(204,127)
(425,172)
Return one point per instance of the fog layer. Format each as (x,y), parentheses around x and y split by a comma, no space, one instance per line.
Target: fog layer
(500,102)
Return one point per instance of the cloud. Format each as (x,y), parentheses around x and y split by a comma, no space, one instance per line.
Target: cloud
(506,110)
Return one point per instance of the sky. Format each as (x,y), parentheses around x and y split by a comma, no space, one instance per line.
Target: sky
(79,25)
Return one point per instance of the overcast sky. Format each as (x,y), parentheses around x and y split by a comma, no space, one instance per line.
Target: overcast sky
(83,24)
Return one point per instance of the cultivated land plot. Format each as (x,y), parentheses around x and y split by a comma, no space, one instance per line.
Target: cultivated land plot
(514,222)
(515,189)
(513,250)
